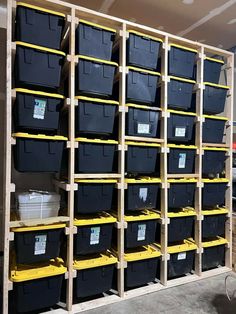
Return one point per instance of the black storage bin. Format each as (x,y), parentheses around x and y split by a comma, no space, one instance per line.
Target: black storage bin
(95,116)
(38,111)
(213,224)
(37,286)
(142,122)
(213,130)
(143,158)
(141,85)
(38,153)
(180,264)
(213,193)
(38,67)
(94,40)
(141,228)
(142,194)
(94,234)
(39,26)
(212,69)
(143,50)
(213,253)
(37,244)
(213,161)
(180,93)
(94,77)
(180,128)
(94,274)
(94,196)
(214,97)
(95,156)
(181,61)
(181,159)
(181,193)
(142,266)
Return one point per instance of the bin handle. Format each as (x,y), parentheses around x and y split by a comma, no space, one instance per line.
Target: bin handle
(30,16)
(52,22)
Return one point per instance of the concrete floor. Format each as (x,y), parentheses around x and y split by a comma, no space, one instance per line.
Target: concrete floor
(204,296)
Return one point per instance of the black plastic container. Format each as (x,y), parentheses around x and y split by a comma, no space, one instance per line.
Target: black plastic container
(94,77)
(34,246)
(180,264)
(213,193)
(94,234)
(94,40)
(143,50)
(94,274)
(37,286)
(213,162)
(142,158)
(213,130)
(94,196)
(212,69)
(141,85)
(213,255)
(140,195)
(180,228)
(37,111)
(213,225)
(181,193)
(181,159)
(181,61)
(95,116)
(142,122)
(38,26)
(95,156)
(142,268)
(38,67)
(180,93)
(38,153)
(180,128)
(214,97)
(141,229)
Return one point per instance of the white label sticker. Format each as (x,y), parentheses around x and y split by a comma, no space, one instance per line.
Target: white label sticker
(39,109)
(143,128)
(94,235)
(141,232)
(181,256)
(40,244)
(182,160)
(180,132)
(143,194)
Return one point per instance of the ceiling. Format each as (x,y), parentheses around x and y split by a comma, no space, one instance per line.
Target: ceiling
(210,21)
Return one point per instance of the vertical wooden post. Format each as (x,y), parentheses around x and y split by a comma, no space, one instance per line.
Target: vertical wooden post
(163,164)
(71,162)
(229,161)
(7,159)
(121,165)
(198,161)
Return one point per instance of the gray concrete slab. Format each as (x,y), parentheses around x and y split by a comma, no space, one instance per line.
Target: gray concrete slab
(204,296)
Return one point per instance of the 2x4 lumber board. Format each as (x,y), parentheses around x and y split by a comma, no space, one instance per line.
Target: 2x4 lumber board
(7,159)
(71,162)
(38,222)
(187,175)
(121,165)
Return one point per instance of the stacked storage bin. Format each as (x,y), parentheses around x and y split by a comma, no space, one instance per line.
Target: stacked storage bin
(142,195)
(181,160)
(36,268)
(96,154)
(213,167)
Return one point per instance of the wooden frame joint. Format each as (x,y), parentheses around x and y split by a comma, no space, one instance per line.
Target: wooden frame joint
(120,265)
(10,285)
(121,225)
(11,236)
(123,109)
(13,141)
(121,186)
(12,187)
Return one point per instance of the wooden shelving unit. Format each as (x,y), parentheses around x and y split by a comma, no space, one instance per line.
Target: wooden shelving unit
(73,15)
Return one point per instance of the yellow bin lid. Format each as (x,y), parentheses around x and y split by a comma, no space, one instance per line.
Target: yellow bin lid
(217,241)
(39,93)
(95,181)
(143,71)
(142,215)
(41,48)
(98,60)
(216,211)
(39,228)
(187,245)
(98,260)
(20,273)
(30,6)
(141,253)
(98,219)
(142,180)
(40,136)
(98,100)
(95,141)
(185,212)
